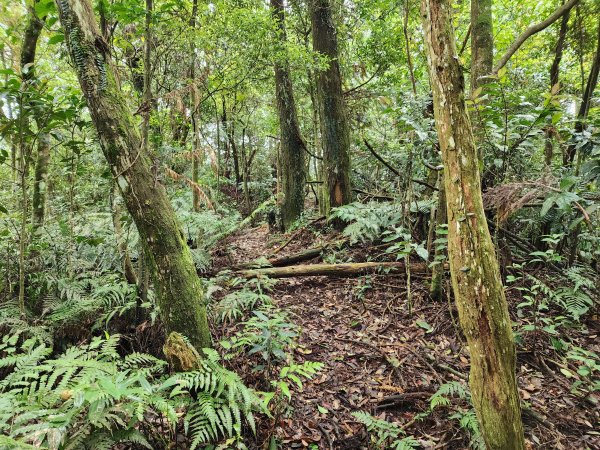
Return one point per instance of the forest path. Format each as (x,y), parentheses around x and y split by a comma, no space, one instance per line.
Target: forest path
(380,359)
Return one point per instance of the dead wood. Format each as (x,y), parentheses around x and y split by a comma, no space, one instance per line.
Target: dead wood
(334,270)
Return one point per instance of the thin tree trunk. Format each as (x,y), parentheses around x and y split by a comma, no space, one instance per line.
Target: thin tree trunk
(28,51)
(533,29)
(554,79)
(411,71)
(194,115)
(476,281)
(586,99)
(441,218)
(293,148)
(335,135)
(482,42)
(180,295)
(128,269)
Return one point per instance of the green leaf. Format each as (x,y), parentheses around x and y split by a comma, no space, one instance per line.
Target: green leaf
(567,373)
(44,7)
(57,38)
(421,323)
(548,203)
(322,409)
(422,252)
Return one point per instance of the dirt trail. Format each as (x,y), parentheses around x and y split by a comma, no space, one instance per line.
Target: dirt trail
(381,359)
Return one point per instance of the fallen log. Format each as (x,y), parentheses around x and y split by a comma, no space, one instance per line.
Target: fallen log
(294,258)
(334,270)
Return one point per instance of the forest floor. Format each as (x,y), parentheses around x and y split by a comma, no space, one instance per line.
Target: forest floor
(382,359)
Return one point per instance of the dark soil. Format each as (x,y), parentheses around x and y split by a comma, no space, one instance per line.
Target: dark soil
(380,358)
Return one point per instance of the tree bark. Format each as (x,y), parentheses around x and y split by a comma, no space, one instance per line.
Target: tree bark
(28,52)
(436,289)
(482,42)
(337,270)
(127,265)
(180,294)
(196,159)
(554,78)
(293,148)
(586,99)
(40,180)
(335,135)
(477,286)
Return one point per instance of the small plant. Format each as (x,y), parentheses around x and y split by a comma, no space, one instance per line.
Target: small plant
(92,397)
(587,379)
(385,435)
(466,417)
(268,334)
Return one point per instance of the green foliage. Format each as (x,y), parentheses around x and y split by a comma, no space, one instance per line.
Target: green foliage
(268,334)
(217,400)
(466,418)
(367,221)
(294,373)
(384,434)
(91,397)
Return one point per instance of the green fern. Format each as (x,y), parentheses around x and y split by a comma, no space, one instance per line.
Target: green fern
(233,306)
(367,222)
(384,434)
(91,397)
(223,403)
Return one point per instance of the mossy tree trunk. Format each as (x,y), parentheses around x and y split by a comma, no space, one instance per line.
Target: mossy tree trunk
(482,42)
(335,135)
(293,148)
(476,282)
(28,50)
(180,295)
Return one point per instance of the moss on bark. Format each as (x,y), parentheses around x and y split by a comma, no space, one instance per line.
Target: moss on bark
(335,135)
(180,295)
(482,42)
(293,148)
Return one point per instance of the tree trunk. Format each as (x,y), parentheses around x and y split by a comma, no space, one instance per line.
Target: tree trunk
(437,272)
(180,295)
(40,181)
(196,159)
(482,42)
(293,148)
(478,289)
(335,136)
(586,99)
(28,51)
(554,78)
(127,265)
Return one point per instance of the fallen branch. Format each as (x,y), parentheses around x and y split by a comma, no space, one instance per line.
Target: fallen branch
(335,270)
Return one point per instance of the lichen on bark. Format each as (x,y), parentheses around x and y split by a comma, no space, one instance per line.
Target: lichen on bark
(477,286)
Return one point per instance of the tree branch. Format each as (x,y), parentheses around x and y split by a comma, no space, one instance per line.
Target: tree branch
(533,29)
